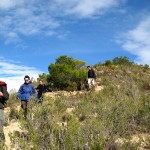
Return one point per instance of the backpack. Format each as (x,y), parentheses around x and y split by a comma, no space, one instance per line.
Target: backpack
(6,96)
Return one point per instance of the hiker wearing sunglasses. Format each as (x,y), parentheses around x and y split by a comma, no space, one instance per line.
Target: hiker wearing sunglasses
(26,90)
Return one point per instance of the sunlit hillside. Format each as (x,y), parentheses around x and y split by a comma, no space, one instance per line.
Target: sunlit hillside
(115,117)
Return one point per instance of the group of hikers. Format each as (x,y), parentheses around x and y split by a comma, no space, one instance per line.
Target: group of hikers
(26,90)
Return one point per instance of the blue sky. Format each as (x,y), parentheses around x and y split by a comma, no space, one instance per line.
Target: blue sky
(33,33)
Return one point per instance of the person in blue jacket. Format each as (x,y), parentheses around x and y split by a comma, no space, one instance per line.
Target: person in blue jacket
(26,90)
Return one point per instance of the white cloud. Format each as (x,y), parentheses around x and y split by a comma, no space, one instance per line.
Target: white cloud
(6,4)
(24,17)
(137,41)
(13,73)
(11,37)
(26,20)
(85,8)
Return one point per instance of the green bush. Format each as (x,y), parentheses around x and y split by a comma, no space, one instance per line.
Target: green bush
(121,61)
(108,62)
(66,73)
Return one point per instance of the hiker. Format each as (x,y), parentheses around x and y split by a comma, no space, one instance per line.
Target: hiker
(41,88)
(26,90)
(91,77)
(4,96)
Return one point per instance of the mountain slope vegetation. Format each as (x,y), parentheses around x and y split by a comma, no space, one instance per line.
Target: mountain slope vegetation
(108,119)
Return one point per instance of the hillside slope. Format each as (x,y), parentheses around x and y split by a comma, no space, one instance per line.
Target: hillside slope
(117,116)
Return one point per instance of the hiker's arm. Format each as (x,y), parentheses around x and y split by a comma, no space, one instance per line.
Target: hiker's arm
(19,92)
(94,74)
(1,94)
(5,93)
(45,88)
(37,87)
(33,90)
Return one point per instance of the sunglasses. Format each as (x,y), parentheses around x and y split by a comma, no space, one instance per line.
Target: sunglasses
(26,80)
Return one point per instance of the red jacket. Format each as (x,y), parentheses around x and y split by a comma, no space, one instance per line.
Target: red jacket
(3,89)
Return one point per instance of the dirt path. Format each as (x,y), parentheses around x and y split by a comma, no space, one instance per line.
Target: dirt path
(65,93)
(12,126)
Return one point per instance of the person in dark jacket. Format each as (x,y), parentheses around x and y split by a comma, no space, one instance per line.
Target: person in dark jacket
(41,88)
(91,77)
(4,95)
(26,90)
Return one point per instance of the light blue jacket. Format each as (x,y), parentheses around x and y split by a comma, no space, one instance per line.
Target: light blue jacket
(25,91)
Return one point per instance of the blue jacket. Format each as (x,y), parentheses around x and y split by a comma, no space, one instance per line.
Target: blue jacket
(25,91)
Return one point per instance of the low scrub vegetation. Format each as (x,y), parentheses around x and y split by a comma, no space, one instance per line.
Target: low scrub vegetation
(90,120)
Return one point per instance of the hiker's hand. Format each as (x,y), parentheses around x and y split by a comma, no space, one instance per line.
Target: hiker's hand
(1,94)
(17,97)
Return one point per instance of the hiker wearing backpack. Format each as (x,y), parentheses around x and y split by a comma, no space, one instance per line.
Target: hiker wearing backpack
(91,77)
(41,88)
(4,96)
(26,90)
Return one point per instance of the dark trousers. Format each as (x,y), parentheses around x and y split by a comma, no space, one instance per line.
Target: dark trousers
(24,107)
